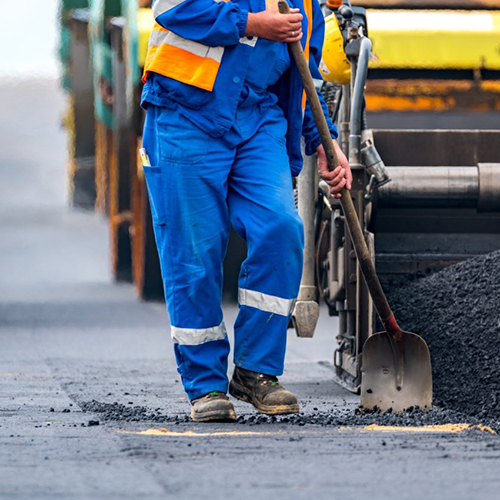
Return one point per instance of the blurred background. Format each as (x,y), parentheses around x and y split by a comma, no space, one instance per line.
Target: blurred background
(31,102)
(34,193)
(35,57)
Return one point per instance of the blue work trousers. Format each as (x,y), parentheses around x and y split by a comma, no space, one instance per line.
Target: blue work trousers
(197,185)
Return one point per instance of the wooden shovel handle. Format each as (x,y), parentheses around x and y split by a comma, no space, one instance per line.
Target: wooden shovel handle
(357,237)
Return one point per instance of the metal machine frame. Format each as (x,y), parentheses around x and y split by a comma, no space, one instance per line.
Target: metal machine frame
(433,207)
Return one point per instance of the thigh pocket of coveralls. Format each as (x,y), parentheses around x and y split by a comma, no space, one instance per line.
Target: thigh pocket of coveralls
(156,194)
(277,130)
(276,125)
(180,140)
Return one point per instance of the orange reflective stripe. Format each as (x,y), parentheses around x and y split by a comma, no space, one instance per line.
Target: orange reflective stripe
(309,14)
(158,27)
(182,66)
(181,59)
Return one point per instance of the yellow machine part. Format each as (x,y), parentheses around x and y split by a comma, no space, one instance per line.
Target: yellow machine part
(402,39)
(439,39)
(334,65)
(145,23)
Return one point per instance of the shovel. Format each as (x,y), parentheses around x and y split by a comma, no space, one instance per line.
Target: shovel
(396,365)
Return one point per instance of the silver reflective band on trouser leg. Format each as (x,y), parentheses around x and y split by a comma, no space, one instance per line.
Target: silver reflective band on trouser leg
(197,336)
(162,6)
(264,302)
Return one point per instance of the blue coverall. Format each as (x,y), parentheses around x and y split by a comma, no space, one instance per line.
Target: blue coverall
(198,184)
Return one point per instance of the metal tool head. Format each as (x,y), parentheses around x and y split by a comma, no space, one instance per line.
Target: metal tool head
(396,375)
(305,318)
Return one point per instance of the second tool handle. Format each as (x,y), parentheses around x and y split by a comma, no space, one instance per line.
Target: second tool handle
(362,252)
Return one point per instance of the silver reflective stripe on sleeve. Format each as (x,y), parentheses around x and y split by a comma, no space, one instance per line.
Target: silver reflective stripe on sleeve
(197,336)
(162,6)
(264,302)
(158,38)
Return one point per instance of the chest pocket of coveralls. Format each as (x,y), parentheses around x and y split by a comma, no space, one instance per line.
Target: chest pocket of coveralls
(269,59)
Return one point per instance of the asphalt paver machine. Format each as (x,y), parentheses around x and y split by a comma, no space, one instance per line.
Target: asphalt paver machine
(426,197)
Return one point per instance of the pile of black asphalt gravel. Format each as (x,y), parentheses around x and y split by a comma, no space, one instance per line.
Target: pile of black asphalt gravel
(457,312)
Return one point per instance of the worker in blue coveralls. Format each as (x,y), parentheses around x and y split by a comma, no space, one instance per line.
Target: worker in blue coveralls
(225,116)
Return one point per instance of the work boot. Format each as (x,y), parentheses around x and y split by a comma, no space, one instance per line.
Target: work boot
(263,391)
(213,407)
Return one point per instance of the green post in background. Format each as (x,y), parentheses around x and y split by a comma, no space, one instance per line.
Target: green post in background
(65,7)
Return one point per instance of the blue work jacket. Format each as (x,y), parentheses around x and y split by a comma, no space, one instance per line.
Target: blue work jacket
(216,24)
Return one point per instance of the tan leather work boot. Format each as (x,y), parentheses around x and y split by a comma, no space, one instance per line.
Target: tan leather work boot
(213,407)
(263,391)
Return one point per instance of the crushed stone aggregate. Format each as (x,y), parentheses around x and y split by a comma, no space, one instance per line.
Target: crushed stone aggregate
(457,312)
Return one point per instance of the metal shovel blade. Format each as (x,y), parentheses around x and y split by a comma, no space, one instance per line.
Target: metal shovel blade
(396,375)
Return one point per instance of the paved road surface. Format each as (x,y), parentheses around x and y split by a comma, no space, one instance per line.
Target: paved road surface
(69,336)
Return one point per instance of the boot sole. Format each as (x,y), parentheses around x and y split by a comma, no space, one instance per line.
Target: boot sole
(214,416)
(243,394)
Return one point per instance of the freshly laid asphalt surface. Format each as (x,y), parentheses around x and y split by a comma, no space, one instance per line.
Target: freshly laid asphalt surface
(77,351)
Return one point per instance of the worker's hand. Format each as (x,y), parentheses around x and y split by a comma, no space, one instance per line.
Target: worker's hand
(338,178)
(272,25)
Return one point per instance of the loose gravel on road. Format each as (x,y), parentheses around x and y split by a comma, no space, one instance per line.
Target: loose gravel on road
(340,417)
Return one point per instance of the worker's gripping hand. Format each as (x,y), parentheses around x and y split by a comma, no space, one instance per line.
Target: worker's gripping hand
(338,178)
(272,25)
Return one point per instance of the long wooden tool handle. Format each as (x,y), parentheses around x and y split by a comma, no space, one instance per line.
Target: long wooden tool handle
(357,237)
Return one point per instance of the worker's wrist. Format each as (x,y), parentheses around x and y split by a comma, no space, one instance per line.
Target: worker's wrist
(252,25)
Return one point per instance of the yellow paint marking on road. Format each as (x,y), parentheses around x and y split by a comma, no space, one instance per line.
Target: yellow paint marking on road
(446,428)
(486,428)
(443,428)
(165,432)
